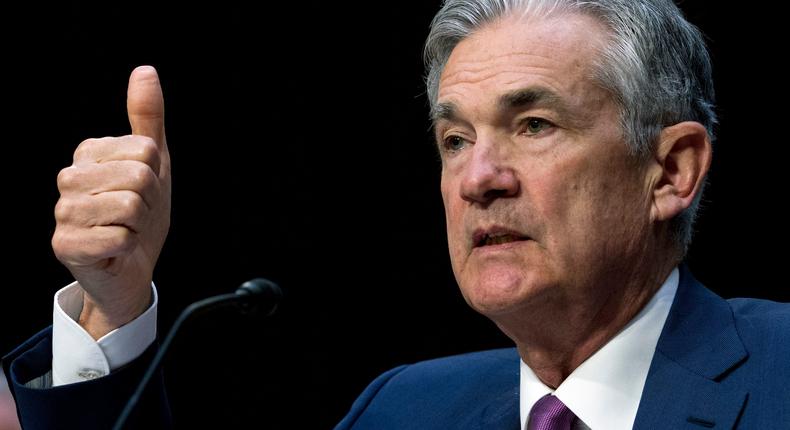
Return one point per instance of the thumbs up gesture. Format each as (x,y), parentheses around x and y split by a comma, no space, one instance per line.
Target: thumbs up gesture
(114,211)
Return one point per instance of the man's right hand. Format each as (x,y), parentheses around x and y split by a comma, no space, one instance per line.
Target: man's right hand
(114,211)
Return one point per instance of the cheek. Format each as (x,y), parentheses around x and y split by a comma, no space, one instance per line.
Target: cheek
(444,187)
(453,213)
(549,193)
(589,215)
(567,199)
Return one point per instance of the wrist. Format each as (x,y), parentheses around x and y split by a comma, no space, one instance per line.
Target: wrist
(99,317)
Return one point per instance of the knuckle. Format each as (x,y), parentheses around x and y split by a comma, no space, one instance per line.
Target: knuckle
(143,176)
(121,241)
(67,177)
(59,243)
(147,151)
(85,148)
(132,205)
(65,248)
(64,210)
(146,143)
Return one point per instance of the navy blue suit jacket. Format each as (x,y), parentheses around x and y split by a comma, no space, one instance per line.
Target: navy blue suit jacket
(718,364)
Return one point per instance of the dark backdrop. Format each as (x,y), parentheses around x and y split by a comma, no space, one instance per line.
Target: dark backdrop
(301,152)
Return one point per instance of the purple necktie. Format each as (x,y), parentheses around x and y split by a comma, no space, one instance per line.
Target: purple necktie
(549,413)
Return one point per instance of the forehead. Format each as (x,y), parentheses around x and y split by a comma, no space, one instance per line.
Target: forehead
(516,52)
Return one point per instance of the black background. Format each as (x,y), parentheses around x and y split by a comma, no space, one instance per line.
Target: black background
(301,153)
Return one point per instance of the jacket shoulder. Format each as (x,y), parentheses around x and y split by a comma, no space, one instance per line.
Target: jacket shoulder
(436,393)
(755,316)
(763,325)
(761,311)
(476,365)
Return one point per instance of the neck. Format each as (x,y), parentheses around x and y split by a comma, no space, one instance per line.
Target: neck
(555,339)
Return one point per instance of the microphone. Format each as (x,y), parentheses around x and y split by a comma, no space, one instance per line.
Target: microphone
(257,295)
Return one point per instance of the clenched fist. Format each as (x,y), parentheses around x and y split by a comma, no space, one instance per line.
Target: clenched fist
(114,211)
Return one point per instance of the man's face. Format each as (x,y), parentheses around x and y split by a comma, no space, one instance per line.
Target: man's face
(543,203)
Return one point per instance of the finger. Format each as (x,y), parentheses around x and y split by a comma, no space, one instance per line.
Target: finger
(84,247)
(145,104)
(114,208)
(138,148)
(125,175)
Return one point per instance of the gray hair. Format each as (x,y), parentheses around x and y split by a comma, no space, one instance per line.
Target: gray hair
(656,66)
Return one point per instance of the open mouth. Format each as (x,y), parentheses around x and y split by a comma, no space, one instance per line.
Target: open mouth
(490,239)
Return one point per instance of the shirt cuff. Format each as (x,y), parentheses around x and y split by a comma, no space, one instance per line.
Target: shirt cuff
(77,357)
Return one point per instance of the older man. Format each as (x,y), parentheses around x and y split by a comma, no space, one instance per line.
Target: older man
(575,138)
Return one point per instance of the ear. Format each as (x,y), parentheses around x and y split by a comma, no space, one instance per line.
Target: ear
(680,163)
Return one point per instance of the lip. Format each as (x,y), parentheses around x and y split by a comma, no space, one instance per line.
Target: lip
(480,234)
(503,247)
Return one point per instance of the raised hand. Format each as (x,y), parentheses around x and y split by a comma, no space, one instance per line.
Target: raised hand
(114,211)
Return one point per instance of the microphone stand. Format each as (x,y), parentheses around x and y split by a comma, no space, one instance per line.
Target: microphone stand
(255,295)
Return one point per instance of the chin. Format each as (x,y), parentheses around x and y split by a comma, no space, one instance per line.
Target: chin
(496,293)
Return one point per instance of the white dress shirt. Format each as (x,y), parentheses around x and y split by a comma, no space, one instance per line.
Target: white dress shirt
(604,391)
(77,357)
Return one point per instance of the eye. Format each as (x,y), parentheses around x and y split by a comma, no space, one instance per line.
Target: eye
(534,126)
(454,143)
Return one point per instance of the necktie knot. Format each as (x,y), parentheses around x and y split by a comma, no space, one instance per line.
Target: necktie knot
(549,413)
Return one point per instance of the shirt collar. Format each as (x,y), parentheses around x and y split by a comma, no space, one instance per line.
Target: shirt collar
(604,391)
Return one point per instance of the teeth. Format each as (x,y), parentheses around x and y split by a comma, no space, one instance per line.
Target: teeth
(498,240)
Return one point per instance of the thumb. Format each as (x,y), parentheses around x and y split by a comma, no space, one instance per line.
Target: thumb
(145,104)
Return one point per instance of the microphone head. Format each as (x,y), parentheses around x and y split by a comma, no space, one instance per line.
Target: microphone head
(260,295)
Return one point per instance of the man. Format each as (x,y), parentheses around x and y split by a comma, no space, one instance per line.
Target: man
(575,139)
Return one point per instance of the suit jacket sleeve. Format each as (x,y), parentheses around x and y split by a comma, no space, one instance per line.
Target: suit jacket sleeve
(86,405)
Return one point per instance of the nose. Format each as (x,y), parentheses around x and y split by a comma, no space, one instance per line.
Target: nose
(487,176)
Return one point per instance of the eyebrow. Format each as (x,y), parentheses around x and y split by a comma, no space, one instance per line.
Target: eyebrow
(518,99)
(528,97)
(444,111)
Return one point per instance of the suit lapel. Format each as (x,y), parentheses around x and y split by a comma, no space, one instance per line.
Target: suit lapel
(698,346)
